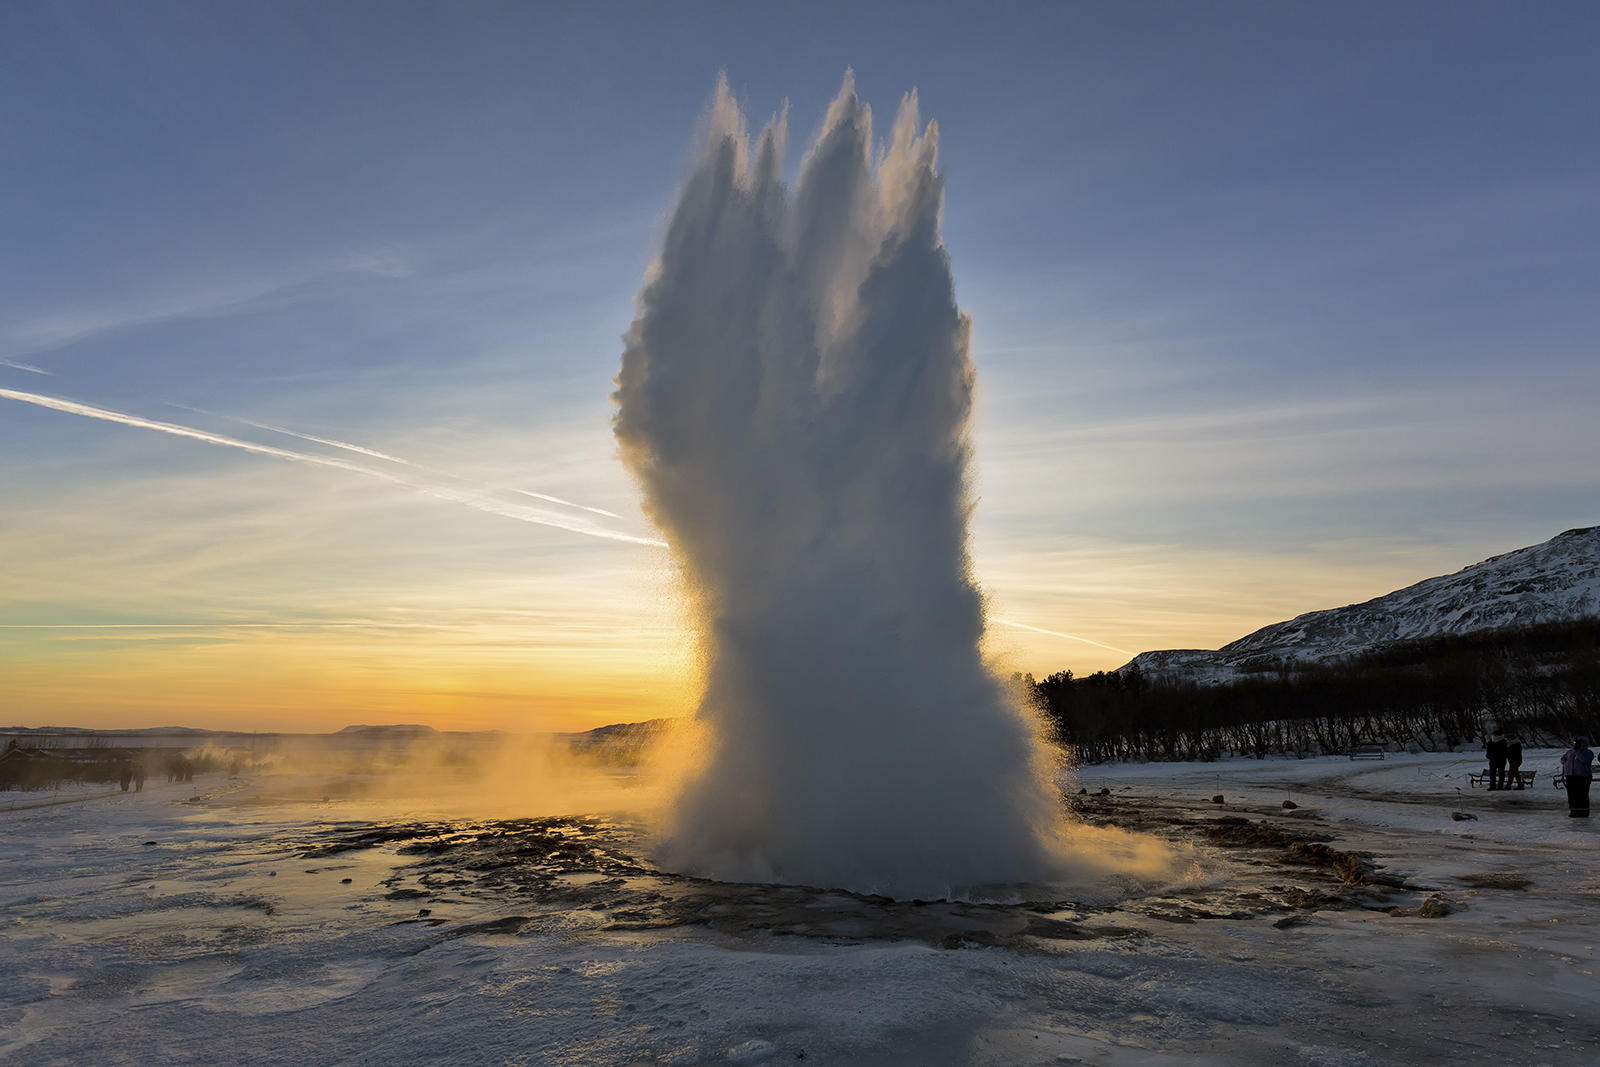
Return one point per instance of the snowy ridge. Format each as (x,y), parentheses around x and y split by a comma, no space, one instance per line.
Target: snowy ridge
(621,735)
(402,729)
(1557,581)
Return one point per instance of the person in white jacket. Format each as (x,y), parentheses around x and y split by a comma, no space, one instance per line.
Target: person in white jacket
(1577,767)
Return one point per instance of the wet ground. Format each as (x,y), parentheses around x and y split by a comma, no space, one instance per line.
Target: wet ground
(1364,925)
(556,866)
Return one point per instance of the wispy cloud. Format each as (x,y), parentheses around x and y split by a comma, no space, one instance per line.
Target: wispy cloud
(1055,633)
(44,333)
(347,446)
(480,501)
(568,503)
(332,443)
(14,364)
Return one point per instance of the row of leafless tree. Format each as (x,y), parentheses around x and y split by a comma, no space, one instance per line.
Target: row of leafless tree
(24,765)
(1542,683)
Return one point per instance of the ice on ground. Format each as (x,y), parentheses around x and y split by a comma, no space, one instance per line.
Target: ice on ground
(146,927)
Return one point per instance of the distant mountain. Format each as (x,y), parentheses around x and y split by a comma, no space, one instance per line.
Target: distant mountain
(624,734)
(396,730)
(620,744)
(1557,581)
(143,731)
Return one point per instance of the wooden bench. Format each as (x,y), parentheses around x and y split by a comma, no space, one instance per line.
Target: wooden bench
(1482,777)
(1366,752)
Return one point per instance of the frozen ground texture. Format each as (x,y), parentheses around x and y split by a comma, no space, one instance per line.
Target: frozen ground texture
(177,926)
(1557,581)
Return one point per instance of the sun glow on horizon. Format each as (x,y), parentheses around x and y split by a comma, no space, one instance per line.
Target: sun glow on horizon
(610,648)
(320,678)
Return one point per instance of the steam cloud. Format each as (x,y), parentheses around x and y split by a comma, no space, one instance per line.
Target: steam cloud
(794,399)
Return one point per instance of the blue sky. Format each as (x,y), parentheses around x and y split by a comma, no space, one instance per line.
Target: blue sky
(1277,307)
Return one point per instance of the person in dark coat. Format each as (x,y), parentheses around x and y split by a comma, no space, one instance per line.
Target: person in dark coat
(1513,762)
(1496,751)
(1577,767)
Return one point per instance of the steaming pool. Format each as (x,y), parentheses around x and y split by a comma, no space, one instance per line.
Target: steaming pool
(249,920)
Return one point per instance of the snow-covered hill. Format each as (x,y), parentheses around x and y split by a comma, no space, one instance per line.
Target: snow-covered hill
(402,729)
(1557,581)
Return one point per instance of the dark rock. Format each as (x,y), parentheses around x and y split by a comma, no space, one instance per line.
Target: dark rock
(1496,880)
(424,913)
(1217,799)
(1057,930)
(1290,805)
(1307,899)
(149,842)
(973,938)
(511,924)
(344,881)
(1353,868)
(1435,907)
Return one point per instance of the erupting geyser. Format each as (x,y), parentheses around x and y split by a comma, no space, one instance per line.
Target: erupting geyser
(794,399)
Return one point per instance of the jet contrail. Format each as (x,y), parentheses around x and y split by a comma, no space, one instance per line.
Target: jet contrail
(1053,633)
(74,408)
(23,366)
(393,459)
(568,503)
(374,453)
(473,500)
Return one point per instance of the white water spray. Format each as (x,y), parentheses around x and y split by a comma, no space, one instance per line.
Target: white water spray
(795,398)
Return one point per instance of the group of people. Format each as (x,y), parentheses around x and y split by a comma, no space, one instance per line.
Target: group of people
(1505,761)
(1577,769)
(132,774)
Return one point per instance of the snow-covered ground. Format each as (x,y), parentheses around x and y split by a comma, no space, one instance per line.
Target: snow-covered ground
(210,923)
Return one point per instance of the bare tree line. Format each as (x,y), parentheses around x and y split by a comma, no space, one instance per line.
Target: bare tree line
(1541,682)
